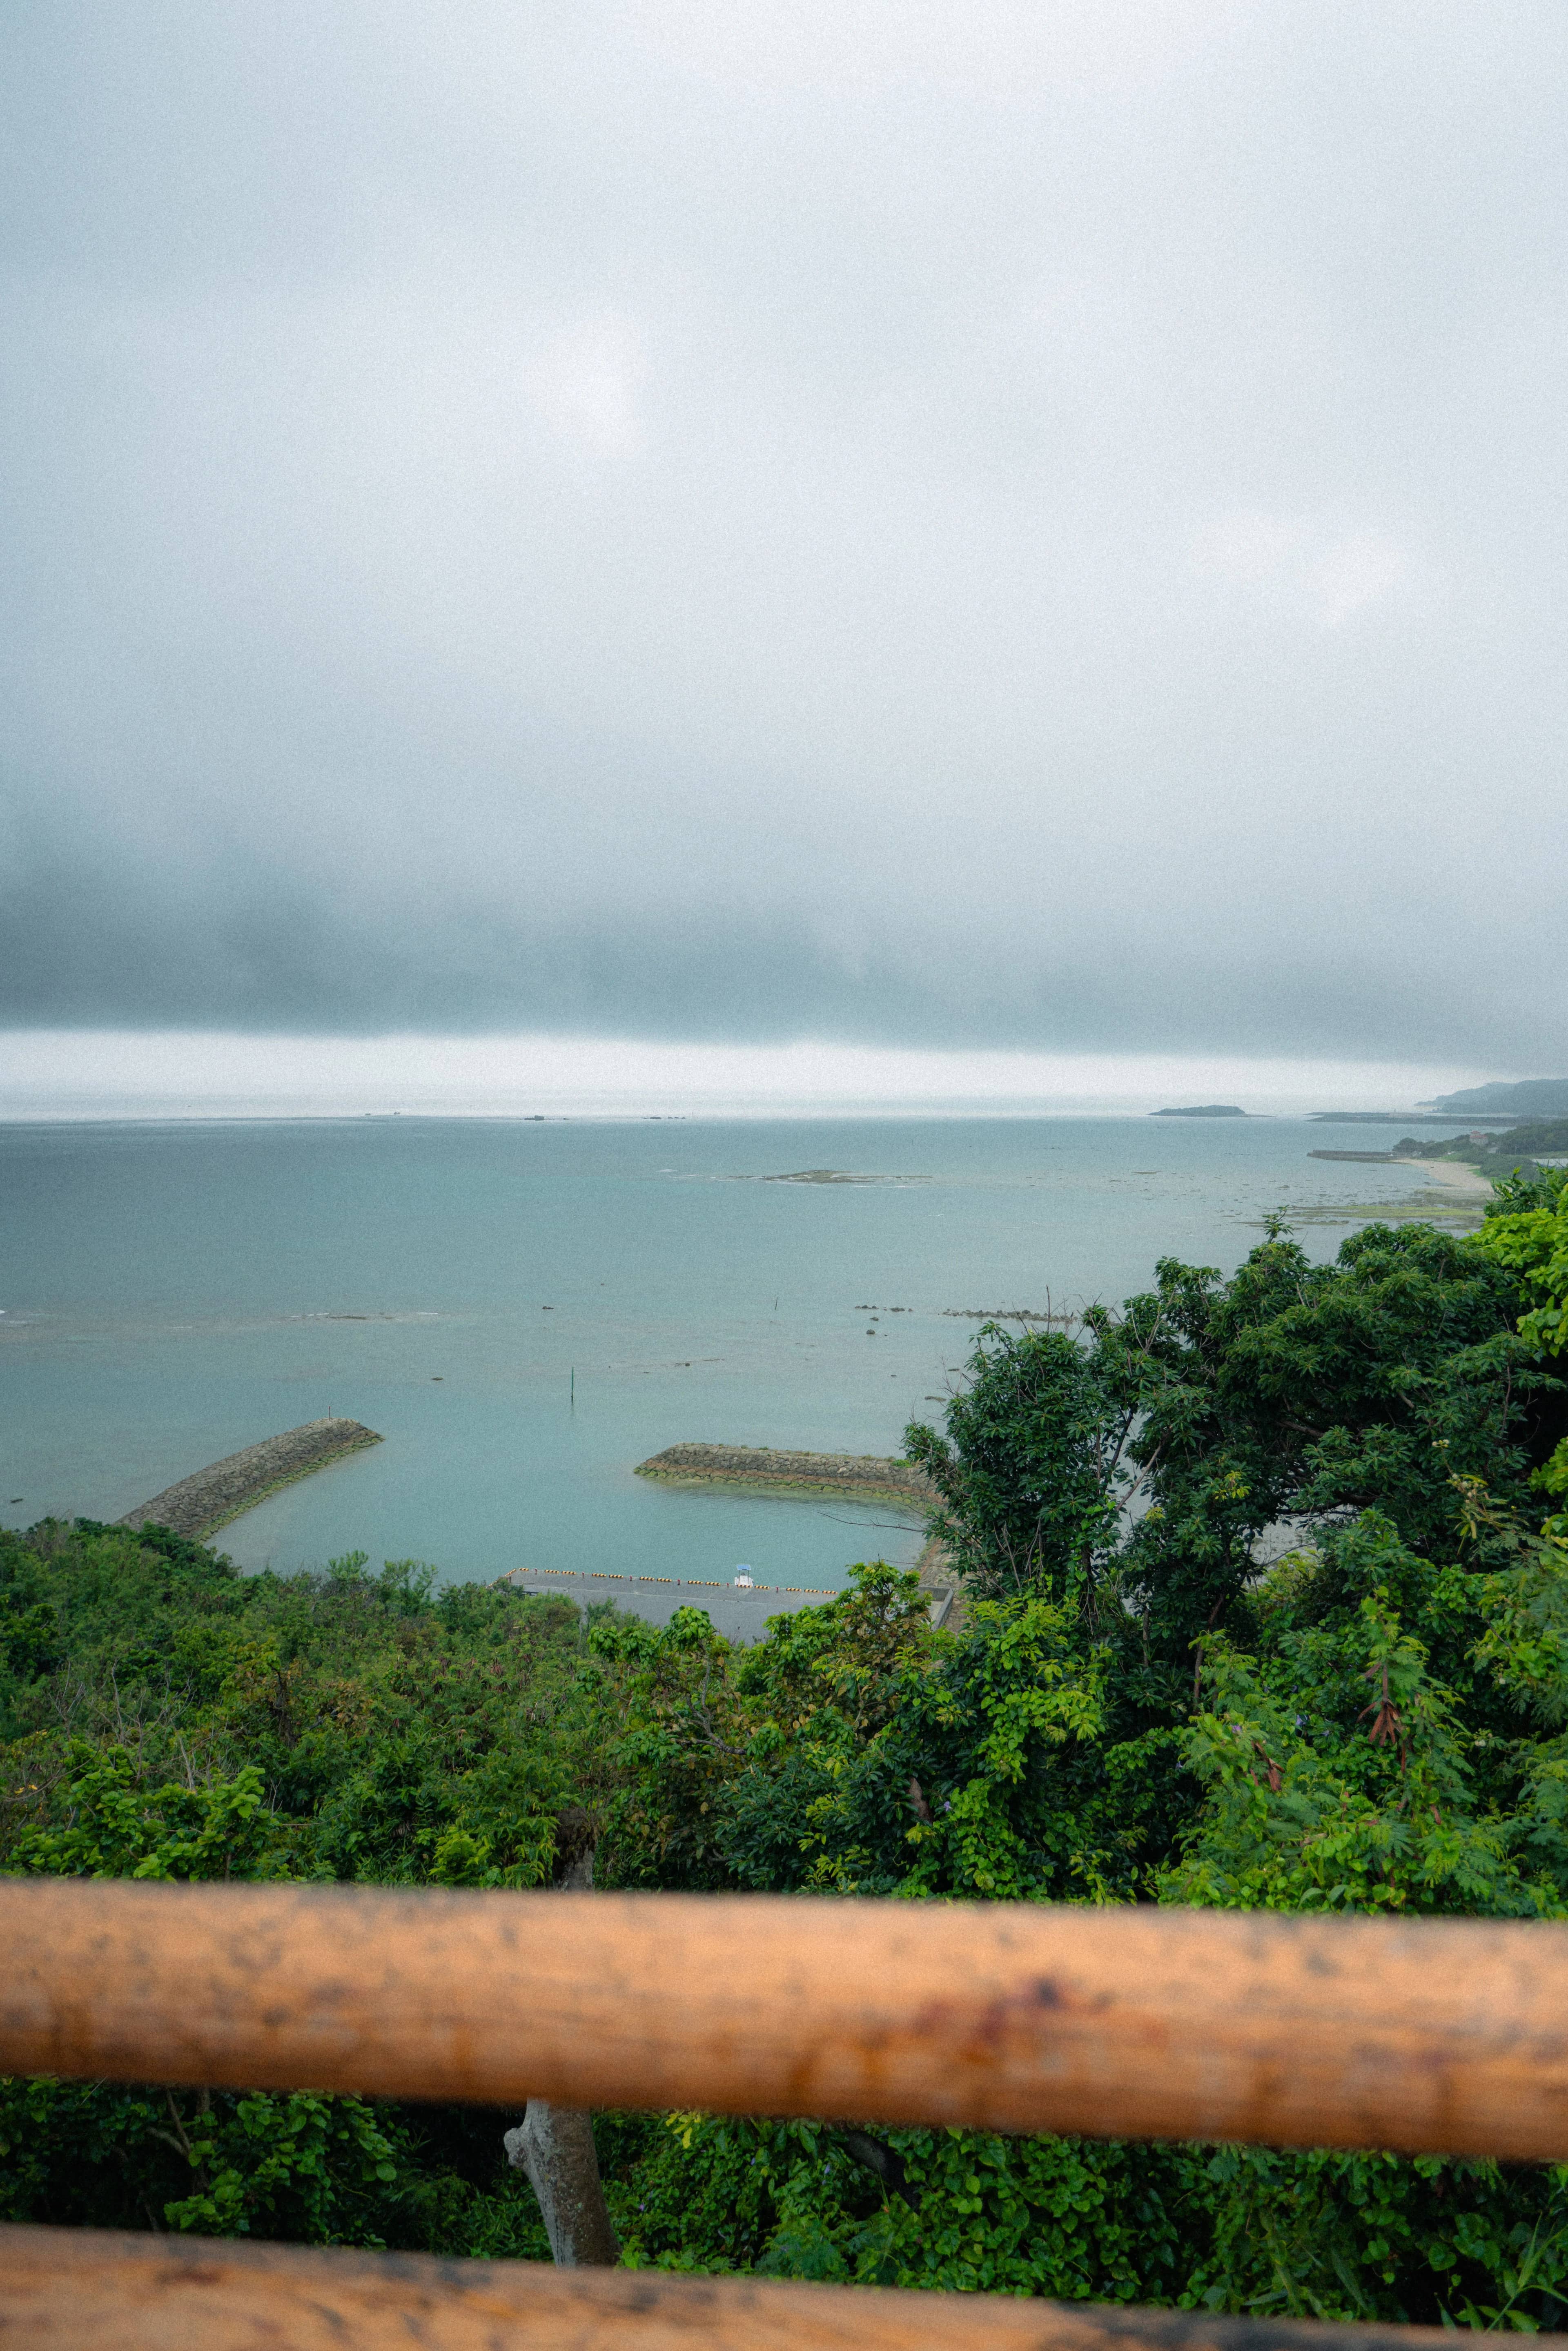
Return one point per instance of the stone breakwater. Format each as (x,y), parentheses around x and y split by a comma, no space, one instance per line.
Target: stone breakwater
(869,1476)
(200,1505)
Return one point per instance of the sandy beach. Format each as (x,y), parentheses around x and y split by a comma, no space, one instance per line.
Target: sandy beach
(1457,1174)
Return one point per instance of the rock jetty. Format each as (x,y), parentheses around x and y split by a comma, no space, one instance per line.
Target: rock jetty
(869,1476)
(200,1505)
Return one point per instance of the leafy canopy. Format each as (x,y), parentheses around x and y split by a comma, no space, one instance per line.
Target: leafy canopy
(1261,1611)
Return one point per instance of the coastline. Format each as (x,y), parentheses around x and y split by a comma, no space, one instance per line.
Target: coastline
(1456,1173)
(483,1440)
(1457,1196)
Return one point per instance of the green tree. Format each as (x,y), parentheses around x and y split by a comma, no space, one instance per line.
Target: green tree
(1032,1469)
(1526,1230)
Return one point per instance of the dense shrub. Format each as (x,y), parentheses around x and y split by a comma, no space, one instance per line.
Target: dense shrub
(1132,1710)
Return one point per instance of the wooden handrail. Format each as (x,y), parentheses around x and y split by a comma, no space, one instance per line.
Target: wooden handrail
(1442,2037)
(77,2290)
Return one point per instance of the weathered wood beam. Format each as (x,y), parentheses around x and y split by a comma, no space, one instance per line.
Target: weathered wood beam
(77,2290)
(1442,2036)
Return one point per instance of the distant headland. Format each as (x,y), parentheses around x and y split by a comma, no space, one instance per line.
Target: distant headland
(1526,1098)
(1203,1109)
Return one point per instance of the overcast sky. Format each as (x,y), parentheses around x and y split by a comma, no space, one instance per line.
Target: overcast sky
(1035,528)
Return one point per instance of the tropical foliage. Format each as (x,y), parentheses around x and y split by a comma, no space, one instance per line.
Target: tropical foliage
(1263,1610)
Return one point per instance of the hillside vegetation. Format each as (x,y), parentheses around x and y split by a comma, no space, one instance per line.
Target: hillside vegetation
(1134,1710)
(1516,1150)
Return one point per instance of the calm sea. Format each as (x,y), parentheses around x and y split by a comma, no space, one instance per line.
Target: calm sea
(526,1311)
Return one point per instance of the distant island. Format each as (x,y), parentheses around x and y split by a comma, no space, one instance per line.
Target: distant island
(1203,1109)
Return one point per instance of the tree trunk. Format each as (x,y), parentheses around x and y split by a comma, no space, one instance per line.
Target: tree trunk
(554,2144)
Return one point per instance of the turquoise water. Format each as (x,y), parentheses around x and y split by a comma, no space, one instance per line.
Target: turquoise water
(173,1292)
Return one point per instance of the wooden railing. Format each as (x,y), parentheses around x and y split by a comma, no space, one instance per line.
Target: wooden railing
(1438,2037)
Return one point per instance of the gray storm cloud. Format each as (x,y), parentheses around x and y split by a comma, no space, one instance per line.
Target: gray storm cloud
(936,524)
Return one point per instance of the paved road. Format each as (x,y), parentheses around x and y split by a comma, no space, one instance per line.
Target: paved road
(732,1610)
